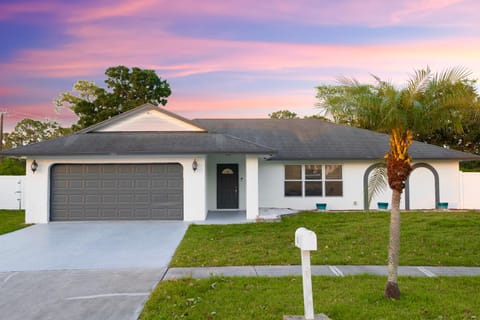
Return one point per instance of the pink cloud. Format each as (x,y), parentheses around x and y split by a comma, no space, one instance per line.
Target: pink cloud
(416,9)
(228,106)
(11,91)
(351,12)
(101,11)
(314,12)
(37,111)
(11,10)
(97,48)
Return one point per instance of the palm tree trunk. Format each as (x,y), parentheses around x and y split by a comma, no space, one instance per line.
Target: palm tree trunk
(392,290)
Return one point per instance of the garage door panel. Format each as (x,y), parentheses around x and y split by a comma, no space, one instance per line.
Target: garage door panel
(156,184)
(174,198)
(92,184)
(125,184)
(95,198)
(125,199)
(142,184)
(75,170)
(116,192)
(76,199)
(109,199)
(142,198)
(109,184)
(75,184)
(141,171)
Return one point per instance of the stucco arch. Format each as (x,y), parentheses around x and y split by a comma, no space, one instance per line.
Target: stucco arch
(365,182)
(407,184)
(436,182)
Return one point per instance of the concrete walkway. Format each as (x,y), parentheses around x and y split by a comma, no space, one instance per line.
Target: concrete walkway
(337,271)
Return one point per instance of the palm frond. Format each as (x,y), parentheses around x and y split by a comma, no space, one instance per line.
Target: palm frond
(377,182)
(377,78)
(349,82)
(452,75)
(419,81)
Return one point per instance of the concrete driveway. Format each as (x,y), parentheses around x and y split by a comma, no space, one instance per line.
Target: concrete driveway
(84,270)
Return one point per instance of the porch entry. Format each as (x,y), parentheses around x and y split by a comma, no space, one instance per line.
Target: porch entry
(227,186)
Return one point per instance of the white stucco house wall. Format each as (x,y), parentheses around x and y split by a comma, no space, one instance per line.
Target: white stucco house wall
(149,163)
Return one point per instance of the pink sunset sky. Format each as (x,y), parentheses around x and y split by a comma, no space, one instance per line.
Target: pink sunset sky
(226,58)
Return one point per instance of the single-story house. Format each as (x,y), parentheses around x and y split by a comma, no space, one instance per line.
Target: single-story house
(149,163)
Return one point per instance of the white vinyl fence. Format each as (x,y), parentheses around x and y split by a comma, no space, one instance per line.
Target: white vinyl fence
(470,190)
(12,192)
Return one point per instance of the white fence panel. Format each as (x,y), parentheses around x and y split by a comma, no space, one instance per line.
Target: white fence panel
(470,190)
(12,192)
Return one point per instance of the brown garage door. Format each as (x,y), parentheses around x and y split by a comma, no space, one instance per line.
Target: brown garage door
(116,192)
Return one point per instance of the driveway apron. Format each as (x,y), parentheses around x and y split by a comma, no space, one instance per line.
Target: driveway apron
(84,270)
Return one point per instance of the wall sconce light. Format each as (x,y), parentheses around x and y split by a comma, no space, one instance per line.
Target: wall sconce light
(194,165)
(34,166)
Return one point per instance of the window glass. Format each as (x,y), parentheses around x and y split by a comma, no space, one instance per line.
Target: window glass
(293,188)
(333,188)
(313,172)
(333,171)
(313,188)
(227,171)
(293,172)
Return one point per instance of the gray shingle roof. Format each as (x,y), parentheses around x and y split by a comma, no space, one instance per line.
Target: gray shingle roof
(293,139)
(136,143)
(303,139)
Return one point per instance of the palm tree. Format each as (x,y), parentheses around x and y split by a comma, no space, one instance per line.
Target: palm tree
(428,102)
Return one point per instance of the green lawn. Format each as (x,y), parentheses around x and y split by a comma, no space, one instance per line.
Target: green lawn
(359,297)
(448,238)
(11,220)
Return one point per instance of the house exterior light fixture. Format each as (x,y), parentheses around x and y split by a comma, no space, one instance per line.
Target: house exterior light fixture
(34,166)
(194,165)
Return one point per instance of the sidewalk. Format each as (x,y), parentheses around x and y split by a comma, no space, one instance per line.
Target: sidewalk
(336,271)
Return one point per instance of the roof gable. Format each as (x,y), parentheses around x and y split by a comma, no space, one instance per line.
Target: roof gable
(146,118)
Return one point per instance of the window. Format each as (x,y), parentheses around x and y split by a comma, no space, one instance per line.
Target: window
(313,180)
(333,180)
(293,180)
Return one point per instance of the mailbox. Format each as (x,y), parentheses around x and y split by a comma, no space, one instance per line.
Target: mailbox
(305,239)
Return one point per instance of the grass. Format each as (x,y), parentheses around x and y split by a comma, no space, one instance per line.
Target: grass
(358,297)
(11,220)
(427,238)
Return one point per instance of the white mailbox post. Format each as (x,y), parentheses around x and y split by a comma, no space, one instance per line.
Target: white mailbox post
(306,240)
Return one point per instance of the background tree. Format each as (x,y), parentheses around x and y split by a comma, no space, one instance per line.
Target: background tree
(287,114)
(30,131)
(427,101)
(317,117)
(283,114)
(344,111)
(127,89)
(12,167)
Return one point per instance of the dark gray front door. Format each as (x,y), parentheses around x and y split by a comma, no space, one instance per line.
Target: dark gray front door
(227,186)
(116,192)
